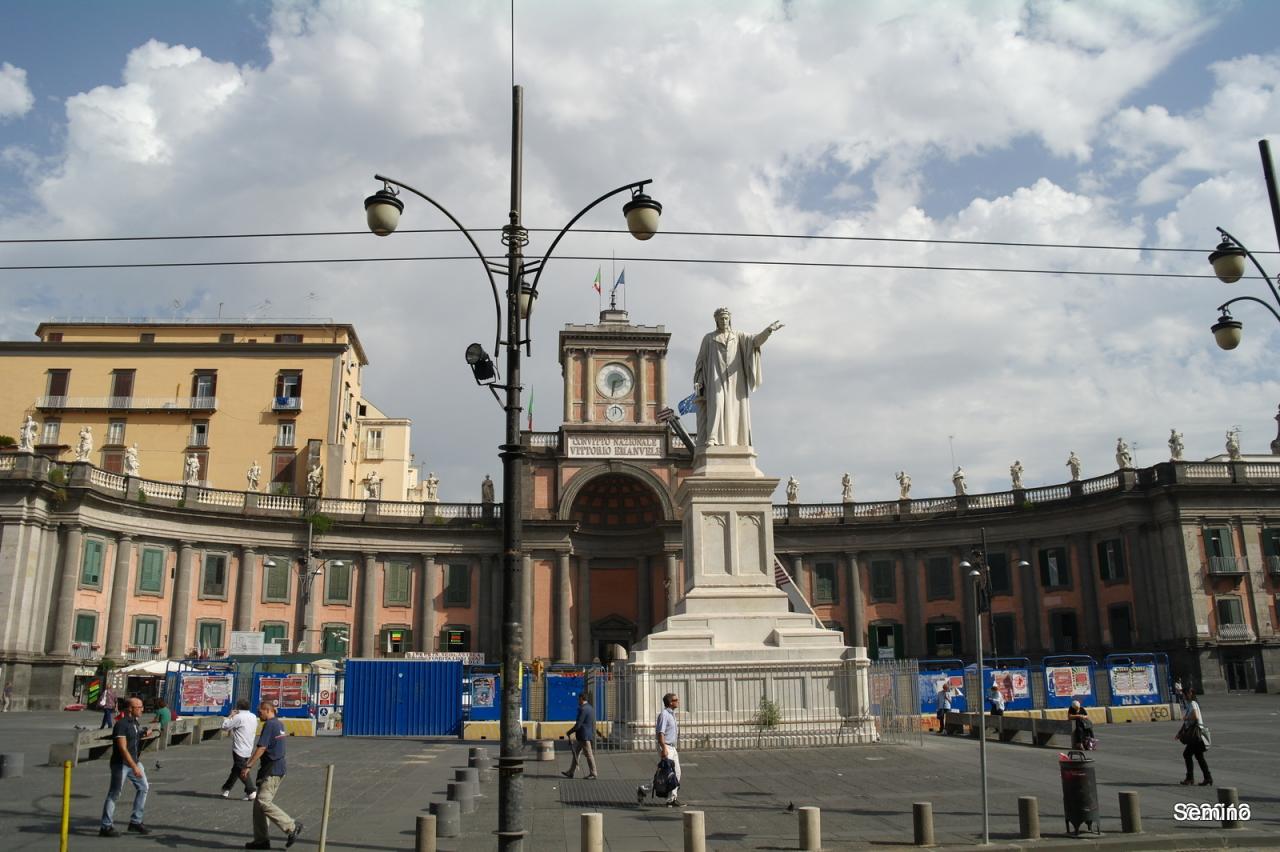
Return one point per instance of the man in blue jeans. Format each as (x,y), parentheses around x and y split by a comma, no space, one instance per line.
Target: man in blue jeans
(126,739)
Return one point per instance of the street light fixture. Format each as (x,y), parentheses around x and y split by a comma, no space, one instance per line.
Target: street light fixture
(382,210)
(1228,264)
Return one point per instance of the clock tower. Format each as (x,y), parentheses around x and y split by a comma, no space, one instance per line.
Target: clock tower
(615,373)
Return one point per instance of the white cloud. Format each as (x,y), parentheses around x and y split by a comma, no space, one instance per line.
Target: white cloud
(15,96)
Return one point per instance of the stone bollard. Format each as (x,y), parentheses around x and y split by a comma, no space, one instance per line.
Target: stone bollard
(922,817)
(695,831)
(1229,797)
(476,755)
(425,841)
(1130,812)
(460,792)
(484,772)
(546,750)
(1028,818)
(811,829)
(12,764)
(470,777)
(448,818)
(592,832)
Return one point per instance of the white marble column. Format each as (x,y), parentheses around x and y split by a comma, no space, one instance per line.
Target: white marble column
(114,647)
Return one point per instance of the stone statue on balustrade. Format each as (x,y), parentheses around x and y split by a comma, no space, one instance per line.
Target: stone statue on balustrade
(1015,473)
(904,485)
(84,447)
(27,436)
(793,490)
(1124,458)
(957,479)
(1233,445)
(192,470)
(315,481)
(724,376)
(486,490)
(132,467)
(1175,445)
(432,486)
(373,486)
(846,489)
(253,474)
(1073,462)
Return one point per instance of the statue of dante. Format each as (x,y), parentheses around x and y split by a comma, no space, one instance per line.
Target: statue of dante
(725,374)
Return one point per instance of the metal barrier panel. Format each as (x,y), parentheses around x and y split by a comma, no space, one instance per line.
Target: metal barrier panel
(402,698)
(933,675)
(482,694)
(895,695)
(203,693)
(291,693)
(562,689)
(1130,679)
(1070,678)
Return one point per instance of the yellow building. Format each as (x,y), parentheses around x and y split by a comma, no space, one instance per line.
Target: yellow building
(207,401)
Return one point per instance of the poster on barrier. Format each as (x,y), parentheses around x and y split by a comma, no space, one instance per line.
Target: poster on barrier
(1014,686)
(289,692)
(204,695)
(931,684)
(1133,684)
(1063,684)
(483,691)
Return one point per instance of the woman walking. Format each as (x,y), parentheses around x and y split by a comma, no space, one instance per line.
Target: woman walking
(1193,743)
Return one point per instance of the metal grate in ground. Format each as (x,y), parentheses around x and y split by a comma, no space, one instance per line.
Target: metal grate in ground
(602,793)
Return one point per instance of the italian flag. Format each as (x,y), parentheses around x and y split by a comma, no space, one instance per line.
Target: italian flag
(597,281)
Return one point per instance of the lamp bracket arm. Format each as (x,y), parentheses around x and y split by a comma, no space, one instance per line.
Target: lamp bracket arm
(1224,305)
(542,264)
(489,267)
(1274,294)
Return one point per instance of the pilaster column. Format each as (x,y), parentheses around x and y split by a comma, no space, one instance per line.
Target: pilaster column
(114,647)
(661,401)
(427,606)
(245,584)
(368,605)
(526,605)
(582,600)
(641,374)
(564,627)
(644,596)
(67,580)
(798,576)
(1030,599)
(589,386)
(180,614)
(1256,581)
(857,603)
(914,640)
(673,582)
(1089,592)
(1144,602)
(570,362)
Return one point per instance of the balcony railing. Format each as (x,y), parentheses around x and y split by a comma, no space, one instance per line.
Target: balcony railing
(1228,565)
(373,453)
(286,403)
(1235,633)
(128,403)
(142,654)
(85,650)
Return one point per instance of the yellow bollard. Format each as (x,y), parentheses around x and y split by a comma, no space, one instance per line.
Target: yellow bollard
(66,806)
(324,813)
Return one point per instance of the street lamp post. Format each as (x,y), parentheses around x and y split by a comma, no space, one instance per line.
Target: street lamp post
(383,210)
(1228,264)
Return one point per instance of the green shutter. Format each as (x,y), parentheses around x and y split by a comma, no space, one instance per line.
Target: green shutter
(86,627)
(278,581)
(339,582)
(151,574)
(91,566)
(397,582)
(144,632)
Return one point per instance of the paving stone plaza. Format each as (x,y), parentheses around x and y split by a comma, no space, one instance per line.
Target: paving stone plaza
(865,792)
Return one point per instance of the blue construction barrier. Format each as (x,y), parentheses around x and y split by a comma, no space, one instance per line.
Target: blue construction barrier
(209,691)
(932,675)
(1070,677)
(1011,676)
(564,685)
(482,694)
(1134,679)
(402,698)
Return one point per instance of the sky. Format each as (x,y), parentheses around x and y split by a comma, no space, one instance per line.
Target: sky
(1126,124)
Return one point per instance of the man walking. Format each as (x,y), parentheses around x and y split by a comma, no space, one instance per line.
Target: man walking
(585,730)
(126,739)
(668,731)
(270,751)
(107,702)
(243,725)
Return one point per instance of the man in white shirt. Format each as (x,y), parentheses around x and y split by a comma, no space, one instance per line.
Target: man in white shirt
(243,725)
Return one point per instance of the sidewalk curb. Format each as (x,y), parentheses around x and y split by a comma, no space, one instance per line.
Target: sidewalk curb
(1213,839)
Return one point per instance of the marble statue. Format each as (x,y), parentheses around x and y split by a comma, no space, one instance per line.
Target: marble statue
(373,486)
(192,470)
(315,481)
(904,485)
(846,489)
(486,490)
(1233,445)
(432,486)
(957,479)
(84,447)
(793,490)
(1073,462)
(724,376)
(1175,445)
(131,465)
(253,474)
(27,436)
(1015,474)
(1124,458)
(1275,445)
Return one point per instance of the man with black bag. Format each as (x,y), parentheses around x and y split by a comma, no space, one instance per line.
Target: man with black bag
(668,733)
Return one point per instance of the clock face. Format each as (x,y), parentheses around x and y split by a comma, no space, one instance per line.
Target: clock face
(614,413)
(614,381)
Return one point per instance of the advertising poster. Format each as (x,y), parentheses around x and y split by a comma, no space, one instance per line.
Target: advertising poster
(483,691)
(1066,683)
(1134,684)
(205,694)
(289,692)
(931,684)
(1014,686)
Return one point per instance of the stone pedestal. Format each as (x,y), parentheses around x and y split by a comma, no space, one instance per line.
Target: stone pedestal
(746,668)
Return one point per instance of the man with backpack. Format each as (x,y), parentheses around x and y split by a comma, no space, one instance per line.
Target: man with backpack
(668,733)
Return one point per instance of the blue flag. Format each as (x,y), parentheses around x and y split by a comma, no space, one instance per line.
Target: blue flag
(686,405)
(622,279)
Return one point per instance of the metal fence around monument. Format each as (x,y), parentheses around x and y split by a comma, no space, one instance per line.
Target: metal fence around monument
(895,700)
